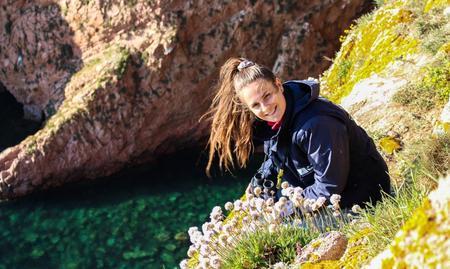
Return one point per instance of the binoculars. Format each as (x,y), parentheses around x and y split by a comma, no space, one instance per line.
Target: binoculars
(267,185)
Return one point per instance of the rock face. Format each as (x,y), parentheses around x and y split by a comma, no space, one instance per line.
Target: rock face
(122,82)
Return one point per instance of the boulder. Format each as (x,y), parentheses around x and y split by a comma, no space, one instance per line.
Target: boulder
(328,246)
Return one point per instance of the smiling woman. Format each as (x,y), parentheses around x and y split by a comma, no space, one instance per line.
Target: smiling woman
(308,141)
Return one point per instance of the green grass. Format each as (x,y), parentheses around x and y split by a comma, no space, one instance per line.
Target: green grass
(387,217)
(421,165)
(263,248)
(432,29)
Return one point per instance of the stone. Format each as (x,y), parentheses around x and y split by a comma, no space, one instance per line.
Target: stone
(32,112)
(328,246)
(442,126)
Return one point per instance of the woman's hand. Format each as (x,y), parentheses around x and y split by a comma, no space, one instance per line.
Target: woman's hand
(249,189)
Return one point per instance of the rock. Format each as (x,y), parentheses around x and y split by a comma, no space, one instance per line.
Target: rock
(442,126)
(371,102)
(32,112)
(328,246)
(123,82)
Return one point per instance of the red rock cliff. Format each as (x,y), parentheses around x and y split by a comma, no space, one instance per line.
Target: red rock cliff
(122,82)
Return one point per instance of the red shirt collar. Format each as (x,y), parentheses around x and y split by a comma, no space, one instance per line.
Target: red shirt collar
(275,124)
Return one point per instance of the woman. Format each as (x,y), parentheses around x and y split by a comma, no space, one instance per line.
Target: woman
(308,141)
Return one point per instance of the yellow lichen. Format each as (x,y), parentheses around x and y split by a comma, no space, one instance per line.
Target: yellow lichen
(356,253)
(389,144)
(430,4)
(369,47)
(321,265)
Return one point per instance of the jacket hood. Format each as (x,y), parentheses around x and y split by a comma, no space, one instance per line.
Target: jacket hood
(298,94)
(303,93)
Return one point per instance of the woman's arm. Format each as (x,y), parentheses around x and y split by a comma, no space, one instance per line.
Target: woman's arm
(325,141)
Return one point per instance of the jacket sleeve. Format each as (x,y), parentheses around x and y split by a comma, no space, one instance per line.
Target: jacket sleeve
(268,168)
(325,141)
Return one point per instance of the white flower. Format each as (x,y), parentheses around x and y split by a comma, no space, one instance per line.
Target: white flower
(270,202)
(298,190)
(207,226)
(307,203)
(335,199)
(195,237)
(289,191)
(254,214)
(297,222)
(215,262)
(191,251)
(284,185)
(238,205)
(245,205)
(228,206)
(192,230)
(279,265)
(321,201)
(278,206)
(272,228)
(204,262)
(356,209)
(228,228)
(250,196)
(184,264)
(216,214)
(204,250)
(260,204)
(218,226)
(208,236)
(216,210)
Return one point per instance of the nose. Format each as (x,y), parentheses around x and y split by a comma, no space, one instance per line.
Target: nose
(265,108)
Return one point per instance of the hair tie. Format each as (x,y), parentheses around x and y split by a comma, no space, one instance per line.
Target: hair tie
(244,64)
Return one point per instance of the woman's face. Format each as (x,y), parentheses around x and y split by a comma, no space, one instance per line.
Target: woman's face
(264,99)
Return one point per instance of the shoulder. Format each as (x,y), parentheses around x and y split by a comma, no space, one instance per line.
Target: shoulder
(316,124)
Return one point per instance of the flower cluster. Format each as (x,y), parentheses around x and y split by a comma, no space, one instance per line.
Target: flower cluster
(217,236)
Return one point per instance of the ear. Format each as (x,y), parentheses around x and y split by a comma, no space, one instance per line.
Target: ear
(279,84)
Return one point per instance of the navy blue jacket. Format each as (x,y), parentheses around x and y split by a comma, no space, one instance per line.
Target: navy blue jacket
(321,149)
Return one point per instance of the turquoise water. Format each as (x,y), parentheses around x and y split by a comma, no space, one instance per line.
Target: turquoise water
(137,218)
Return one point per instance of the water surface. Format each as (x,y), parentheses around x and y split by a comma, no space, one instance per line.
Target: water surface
(137,218)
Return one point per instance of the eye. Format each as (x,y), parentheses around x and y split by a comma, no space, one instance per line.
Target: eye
(267,96)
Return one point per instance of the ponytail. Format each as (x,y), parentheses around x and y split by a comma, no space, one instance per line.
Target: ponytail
(231,126)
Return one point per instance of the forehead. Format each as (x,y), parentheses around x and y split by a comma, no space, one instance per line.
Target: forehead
(256,89)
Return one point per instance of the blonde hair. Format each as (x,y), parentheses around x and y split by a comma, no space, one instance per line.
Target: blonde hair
(231,126)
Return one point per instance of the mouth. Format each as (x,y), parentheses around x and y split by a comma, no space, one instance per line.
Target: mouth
(273,112)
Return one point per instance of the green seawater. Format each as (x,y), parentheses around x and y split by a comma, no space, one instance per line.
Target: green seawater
(137,218)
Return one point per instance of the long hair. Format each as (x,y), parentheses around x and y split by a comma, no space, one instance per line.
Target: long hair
(231,126)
